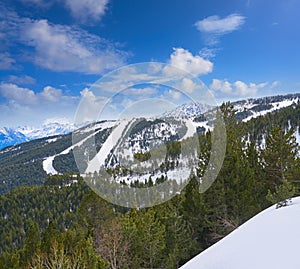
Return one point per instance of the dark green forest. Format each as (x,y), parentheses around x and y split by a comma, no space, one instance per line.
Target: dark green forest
(64,224)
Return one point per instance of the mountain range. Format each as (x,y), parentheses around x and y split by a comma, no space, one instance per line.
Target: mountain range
(51,148)
(13,136)
(246,109)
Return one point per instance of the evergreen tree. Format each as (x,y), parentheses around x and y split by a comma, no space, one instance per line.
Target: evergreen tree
(279,156)
(282,195)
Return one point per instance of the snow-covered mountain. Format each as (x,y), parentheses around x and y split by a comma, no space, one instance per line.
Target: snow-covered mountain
(246,110)
(14,136)
(267,241)
(10,136)
(188,110)
(48,129)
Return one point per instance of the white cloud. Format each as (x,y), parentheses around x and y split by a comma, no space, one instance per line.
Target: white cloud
(174,94)
(140,92)
(62,48)
(87,10)
(22,106)
(51,94)
(90,106)
(83,10)
(17,94)
(221,85)
(24,96)
(213,27)
(216,25)
(188,85)
(275,84)
(208,53)
(236,89)
(184,60)
(56,47)
(24,79)
(6,61)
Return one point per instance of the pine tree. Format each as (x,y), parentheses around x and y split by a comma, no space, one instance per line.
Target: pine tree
(282,195)
(279,156)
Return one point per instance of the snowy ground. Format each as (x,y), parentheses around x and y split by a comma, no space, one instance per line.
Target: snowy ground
(270,240)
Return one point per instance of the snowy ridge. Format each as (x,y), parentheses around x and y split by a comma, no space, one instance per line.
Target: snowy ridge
(45,130)
(253,108)
(188,110)
(267,241)
(14,136)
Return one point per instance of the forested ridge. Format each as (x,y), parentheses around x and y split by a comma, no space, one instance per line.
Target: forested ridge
(64,222)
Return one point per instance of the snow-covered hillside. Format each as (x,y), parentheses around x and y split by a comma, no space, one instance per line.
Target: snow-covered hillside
(253,108)
(270,240)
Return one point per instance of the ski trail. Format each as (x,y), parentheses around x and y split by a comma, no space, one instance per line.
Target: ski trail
(48,165)
(191,130)
(108,145)
(48,162)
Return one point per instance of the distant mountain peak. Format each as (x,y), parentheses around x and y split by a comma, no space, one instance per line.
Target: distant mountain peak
(14,136)
(188,110)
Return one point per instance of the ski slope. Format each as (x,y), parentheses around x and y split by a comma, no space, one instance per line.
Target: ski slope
(270,240)
(191,129)
(108,145)
(48,162)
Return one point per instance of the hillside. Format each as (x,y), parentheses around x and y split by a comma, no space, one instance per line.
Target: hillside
(268,240)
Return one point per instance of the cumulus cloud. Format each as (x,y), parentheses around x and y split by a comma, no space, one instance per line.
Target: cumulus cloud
(17,94)
(184,60)
(86,10)
(236,89)
(90,106)
(213,27)
(51,94)
(188,85)
(23,106)
(24,96)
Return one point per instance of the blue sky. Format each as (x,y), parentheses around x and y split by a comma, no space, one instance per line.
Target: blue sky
(51,52)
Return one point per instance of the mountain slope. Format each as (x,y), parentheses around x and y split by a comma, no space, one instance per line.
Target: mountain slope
(268,240)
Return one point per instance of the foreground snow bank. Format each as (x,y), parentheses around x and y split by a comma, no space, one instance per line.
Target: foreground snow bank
(270,240)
